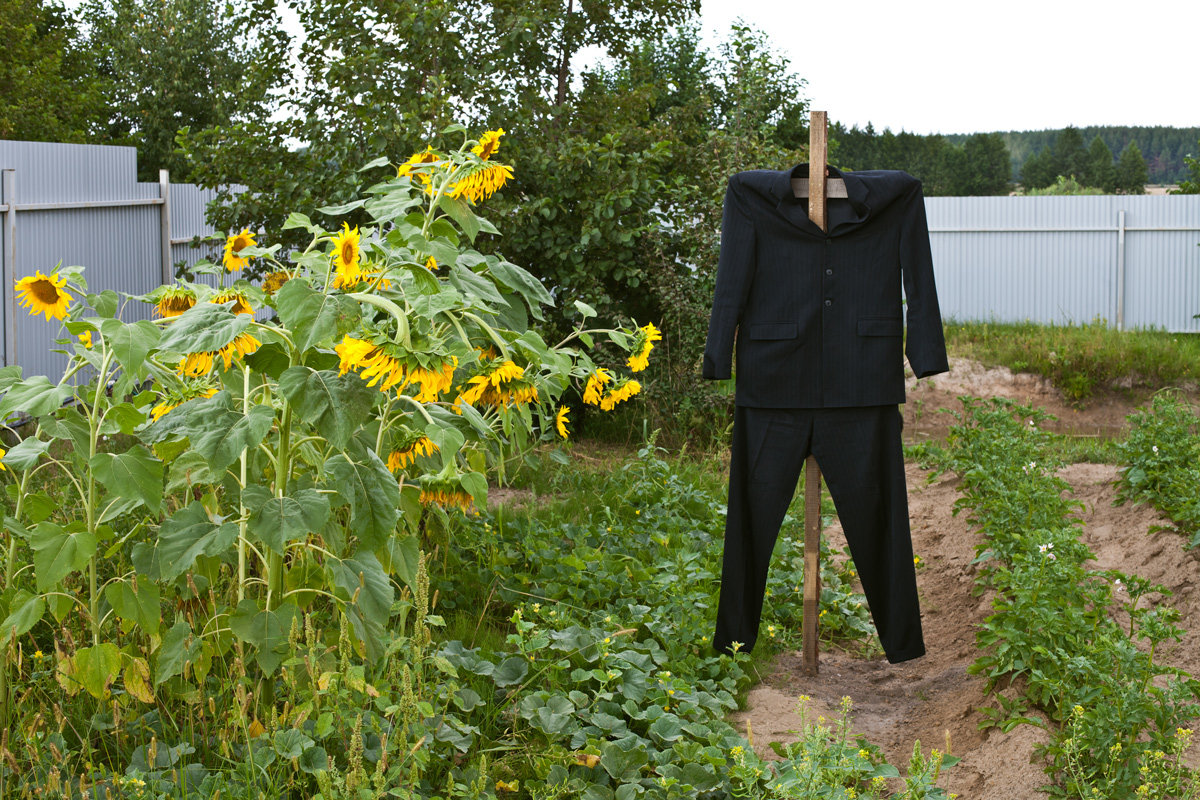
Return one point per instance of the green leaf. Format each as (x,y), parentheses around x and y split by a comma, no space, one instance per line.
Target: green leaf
(461,212)
(511,671)
(34,396)
(137,680)
(622,764)
(585,309)
(266,630)
(105,304)
(314,760)
(298,220)
(363,571)
(474,285)
(96,668)
(335,404)
(522,281)
(123,418)
(188,534)
(57,553)
(291,743)
(204,328)
(137,607)
(136,473)
(382,161)
(25,454)
(314,317)
(404,554)
(344,208)
(476,484)
(178,647)
(364,482)
(130,343)
(189,469)
(221,442)
(27,611)
(283,519)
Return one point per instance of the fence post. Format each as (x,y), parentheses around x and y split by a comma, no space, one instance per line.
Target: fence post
(8,266)
(164,191)
(1121,270)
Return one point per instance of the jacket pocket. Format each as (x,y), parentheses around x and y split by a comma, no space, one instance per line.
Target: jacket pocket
(880,326)
(774,330)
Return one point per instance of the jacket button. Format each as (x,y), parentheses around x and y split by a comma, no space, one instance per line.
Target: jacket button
(828,302)
(828,272)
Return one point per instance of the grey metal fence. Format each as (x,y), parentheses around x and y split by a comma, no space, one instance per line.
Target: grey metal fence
(1133,261)
(83,204)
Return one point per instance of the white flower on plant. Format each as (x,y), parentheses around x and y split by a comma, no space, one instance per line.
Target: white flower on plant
(1045,548)
(1120,587)
(1051,556)
(1154,448)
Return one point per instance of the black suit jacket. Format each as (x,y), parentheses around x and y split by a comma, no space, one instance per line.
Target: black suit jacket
(818,316)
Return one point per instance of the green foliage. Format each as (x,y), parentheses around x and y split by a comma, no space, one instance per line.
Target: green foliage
(1131,174)
(1161,455)
(1109,704)
(1165,148)
(1081,360)
(1063,186)
(50,91)
(163,66)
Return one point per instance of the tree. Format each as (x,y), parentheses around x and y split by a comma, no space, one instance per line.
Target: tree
(167,65)
(1039,170)
(1100,170)
(987,165)
(1190,185)
(1070,156)
(49,93)
(1131,171)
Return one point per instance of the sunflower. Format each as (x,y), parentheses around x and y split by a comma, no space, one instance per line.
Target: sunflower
(501,385)
(234,245)
(489,143)
(190,390)
(2,467)
(560,421)
(432,381)
(416,445)
(346,257)
(174,301)
(85,339)
(420,162)
(240,304)
(275,281)
(377,365)
(481,183)
(431,264)
(595,386)
(44,294)
(619,393)
(647,335)
(446,495)
(197,364)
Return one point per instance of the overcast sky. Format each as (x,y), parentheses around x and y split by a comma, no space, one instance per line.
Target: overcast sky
(963,66)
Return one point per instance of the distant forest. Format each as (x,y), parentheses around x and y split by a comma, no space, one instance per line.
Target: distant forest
(1163,148)
(962,164)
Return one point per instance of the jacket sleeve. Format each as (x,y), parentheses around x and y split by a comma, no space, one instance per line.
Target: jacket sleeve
(735,271)
(926,343)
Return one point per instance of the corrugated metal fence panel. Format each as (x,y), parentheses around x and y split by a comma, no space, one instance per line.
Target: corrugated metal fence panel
(188,204)
(1055,259)
(1162,279)
(49,172)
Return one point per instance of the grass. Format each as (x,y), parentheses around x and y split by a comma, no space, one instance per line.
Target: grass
(1082,360)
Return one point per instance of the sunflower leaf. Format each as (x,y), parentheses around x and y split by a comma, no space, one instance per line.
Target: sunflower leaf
(284,519)
(312,316)
(58,552)
(335,404)
(136,473)
(363,481)
(461,213)
(344,208)
(34,396)
(188,534)
(130,343)
(223,444)
(204,328)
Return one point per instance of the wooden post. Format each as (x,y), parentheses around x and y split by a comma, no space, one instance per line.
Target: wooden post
(164,227)
(8,272)
(817,157)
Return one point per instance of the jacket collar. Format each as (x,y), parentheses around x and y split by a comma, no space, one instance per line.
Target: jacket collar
(795,208)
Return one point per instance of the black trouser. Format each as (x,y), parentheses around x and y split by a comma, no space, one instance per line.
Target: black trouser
(860,455)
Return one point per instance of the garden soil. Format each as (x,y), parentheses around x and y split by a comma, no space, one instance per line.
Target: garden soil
(934,699)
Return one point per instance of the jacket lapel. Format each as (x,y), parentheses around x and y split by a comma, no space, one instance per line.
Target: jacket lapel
(794,209)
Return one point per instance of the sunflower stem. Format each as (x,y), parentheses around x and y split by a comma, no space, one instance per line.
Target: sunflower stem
(12,540)
(241,588)
(94,419)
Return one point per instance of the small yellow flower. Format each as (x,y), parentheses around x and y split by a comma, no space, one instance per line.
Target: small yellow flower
(508,786)
(560,422)
(916,561)
(4,468)
(44,294)
(85,339)
(233,248)
(737,751)
(38,655)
